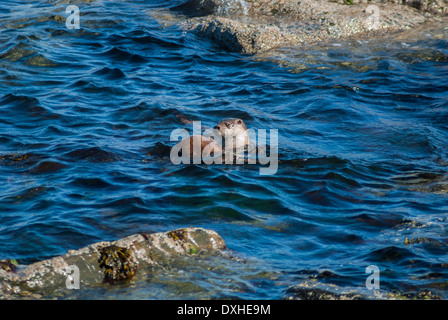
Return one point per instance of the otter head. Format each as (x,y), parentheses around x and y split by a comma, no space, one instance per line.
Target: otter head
(234,129)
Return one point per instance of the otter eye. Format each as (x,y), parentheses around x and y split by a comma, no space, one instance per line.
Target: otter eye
(233,125)
(227,124)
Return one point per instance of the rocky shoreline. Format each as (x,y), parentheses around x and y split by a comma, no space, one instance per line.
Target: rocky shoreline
(133,258)
(102,262)
(255,26)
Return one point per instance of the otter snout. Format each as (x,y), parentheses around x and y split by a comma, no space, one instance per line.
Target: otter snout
(233,128)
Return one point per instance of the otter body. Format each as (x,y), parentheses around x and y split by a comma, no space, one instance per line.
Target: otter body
(196,145)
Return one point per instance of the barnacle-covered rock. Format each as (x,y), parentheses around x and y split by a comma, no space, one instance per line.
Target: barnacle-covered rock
(112,262)
(255,26)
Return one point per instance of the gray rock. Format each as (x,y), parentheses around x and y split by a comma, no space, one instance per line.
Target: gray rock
(316,290)
(100,262)
(215,7)
(301,293)
(254,26)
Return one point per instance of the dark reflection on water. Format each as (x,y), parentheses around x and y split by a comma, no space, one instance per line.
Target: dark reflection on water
(86,117)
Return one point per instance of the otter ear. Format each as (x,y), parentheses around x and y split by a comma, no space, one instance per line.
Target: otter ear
(240,121)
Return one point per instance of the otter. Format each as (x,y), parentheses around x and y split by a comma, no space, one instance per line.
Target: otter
(205,146)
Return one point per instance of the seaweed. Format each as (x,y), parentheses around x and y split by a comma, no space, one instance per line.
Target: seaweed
(9,265)
(118,263)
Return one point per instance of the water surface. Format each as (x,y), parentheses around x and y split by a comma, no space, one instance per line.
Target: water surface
(85,120)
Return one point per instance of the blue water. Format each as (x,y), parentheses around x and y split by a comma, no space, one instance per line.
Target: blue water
(85,120)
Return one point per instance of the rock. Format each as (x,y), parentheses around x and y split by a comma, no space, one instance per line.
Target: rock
(315,290)
(300,293)
(112,262)
(253,26)
(240,37)
(433,6)
(216,7)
